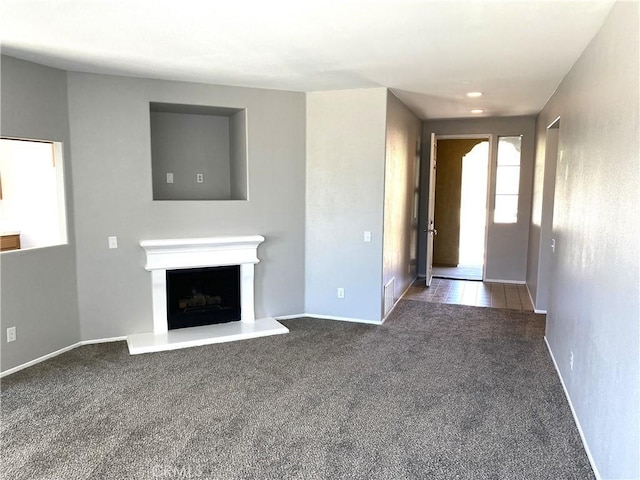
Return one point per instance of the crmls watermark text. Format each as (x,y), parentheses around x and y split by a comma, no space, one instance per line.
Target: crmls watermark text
(176,472)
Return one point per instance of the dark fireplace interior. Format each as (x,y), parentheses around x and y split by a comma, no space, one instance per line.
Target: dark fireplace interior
(203,296)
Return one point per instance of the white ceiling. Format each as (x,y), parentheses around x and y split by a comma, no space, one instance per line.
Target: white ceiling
(430,53)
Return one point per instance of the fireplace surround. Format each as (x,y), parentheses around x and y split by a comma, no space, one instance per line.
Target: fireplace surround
(203,296)
(195,253)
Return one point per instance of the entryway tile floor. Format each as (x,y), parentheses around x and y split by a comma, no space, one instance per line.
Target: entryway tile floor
(461,272)
(466,292)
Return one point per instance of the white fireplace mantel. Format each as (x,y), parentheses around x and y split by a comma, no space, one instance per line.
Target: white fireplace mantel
(174,254)
(201,252)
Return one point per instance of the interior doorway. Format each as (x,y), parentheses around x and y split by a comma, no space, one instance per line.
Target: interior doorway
(462,173)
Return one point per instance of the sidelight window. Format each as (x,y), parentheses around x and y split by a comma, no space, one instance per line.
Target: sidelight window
(507,180)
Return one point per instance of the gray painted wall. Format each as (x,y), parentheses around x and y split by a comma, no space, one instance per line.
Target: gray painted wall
(187,144)
(540,230)
(238,143)
(345,198)
(594,306)
(402,149)
(110,131)
(506,257)
(38,286)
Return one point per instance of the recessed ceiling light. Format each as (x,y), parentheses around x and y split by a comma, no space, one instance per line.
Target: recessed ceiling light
(477,110)
(474,94)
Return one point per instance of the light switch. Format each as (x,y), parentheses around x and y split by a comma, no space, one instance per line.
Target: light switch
(367,236)
(169,177)
(113,242)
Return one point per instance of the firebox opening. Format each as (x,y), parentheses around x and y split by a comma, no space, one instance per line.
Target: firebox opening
(203,296)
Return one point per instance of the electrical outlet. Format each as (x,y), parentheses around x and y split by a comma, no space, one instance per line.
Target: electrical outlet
(113,242)
(169,177)
(11,334)
(571,362)
(367,236)
(341,293)
(199,178)
(553,245)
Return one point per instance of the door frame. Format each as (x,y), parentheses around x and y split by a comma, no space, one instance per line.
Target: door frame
(488,202)
(431,196)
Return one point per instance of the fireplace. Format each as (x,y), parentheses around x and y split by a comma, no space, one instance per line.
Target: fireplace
(203,296)
(202,293)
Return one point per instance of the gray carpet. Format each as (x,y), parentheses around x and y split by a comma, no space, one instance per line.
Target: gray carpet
(438,392)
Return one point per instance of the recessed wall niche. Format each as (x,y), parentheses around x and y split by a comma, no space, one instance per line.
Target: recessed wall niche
(198,152)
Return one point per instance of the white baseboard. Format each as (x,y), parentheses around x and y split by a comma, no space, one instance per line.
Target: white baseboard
(498,280)
(59,352)
(395,304)
(399,298)
(535,310)
(291,317)
(103,340)
(573,412)
(329,317)
(348,319)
